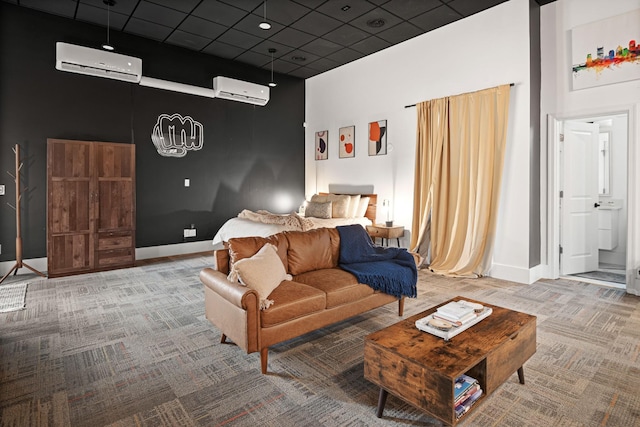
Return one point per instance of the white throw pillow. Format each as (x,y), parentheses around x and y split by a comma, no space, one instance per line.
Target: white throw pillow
(263,272)
(362,207)
(354,203)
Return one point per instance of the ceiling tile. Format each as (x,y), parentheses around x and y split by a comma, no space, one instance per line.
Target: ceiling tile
(284,12)
(181,5)
(98,16)
(346,35)
(220,13)
(399,33)
(188,40)
(253,58)
(222,50)
(321,47)
(364,21)
(323,64)
(147,29)
(282,66)
(292,37)
(310,3)
(469,7)
(407,9)
(202,27)
(60,8)
(354,9)
(435,18)
(125,7)
(265,45)
(370,45)
(239,38)
(316,23)
(299,57)
(345,55)
(303,72)
(158,14)
(246,5)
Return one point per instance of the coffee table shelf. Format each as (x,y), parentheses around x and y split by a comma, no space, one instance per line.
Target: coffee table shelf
(421,368)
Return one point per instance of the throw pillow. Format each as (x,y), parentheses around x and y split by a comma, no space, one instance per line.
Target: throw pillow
(318,210)
(262,272)
(319,198)
(354,203)
(362,207)
(340,207)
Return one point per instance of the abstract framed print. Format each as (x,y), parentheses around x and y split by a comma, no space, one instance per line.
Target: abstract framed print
(322,145)
(347,142)
(378,138)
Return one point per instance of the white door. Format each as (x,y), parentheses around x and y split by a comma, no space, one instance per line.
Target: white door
(579,213)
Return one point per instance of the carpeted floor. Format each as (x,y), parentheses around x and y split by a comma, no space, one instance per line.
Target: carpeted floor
(132,348)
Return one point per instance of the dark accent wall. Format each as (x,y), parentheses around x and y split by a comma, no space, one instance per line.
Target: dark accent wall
(535,243)
(250,153)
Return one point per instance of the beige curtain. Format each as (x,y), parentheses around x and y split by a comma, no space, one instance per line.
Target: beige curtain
(459,160)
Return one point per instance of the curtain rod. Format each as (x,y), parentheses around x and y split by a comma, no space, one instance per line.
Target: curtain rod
(413,105)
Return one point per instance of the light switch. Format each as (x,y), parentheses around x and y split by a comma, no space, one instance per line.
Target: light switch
(187,182)
(2,190)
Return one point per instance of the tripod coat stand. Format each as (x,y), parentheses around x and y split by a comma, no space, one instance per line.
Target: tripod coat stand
(19,263)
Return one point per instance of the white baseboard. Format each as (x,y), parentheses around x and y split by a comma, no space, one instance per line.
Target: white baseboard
(40,264)
(517,274)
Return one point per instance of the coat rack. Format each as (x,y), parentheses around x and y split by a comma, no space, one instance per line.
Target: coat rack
(19,263)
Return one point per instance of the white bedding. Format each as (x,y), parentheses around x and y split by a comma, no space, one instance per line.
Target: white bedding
(241,227)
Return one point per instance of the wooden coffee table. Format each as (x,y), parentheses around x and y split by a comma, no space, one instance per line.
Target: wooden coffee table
(421,368)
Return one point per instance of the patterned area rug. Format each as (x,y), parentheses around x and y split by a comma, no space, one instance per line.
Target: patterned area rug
(12,297)
(133,348)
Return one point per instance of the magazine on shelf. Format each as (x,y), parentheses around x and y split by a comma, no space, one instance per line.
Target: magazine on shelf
(463,408)
(448,333)
(462,385)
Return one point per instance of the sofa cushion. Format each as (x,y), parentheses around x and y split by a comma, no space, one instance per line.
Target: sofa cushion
(340,286)
(292,300)
(245,247)
(312,250)
(262,272)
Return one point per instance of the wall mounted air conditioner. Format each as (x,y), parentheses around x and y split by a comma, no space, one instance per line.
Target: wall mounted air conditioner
(238,90)
(96,62)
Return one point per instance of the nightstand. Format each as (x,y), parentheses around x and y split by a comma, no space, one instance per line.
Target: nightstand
(384,232)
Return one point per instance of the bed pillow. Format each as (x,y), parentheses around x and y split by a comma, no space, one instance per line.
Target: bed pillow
(262,272)
(362,207)
(340,205)
(319,198)
(354,203)
(318,210)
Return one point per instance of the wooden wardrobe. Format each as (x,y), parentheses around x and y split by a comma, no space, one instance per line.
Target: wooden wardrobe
(91,208)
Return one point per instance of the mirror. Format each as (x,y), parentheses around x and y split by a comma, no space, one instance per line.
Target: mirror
(604,163)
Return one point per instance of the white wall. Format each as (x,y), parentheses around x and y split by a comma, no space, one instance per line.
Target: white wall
(484,50)
(557,20)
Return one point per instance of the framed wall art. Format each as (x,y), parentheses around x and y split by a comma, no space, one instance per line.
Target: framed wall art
(347,142)
(322,145)
(605,51)
(378,138)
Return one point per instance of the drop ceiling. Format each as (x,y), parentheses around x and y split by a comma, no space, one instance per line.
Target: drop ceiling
(310,36)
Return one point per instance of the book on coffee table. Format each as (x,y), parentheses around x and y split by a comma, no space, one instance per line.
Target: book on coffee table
(447,333)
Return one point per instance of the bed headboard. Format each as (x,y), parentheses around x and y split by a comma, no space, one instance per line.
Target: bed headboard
(371,209)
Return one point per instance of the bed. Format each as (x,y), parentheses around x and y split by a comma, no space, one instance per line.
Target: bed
(263,223)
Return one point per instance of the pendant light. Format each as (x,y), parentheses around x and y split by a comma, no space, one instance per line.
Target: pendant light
(109,3)
(272,83)
(264,24)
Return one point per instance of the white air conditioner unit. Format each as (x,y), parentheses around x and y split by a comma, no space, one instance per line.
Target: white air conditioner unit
(96,62)
(238,90)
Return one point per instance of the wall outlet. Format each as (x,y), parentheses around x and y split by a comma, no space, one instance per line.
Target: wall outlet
(189,232)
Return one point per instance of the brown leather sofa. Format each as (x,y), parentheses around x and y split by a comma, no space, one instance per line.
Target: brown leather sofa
(320,293)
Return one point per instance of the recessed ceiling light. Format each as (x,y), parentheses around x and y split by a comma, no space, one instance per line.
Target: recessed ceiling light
(376,23)
(299,58)
(345,8)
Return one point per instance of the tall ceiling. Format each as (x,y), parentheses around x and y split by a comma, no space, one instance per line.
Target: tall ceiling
(309,36)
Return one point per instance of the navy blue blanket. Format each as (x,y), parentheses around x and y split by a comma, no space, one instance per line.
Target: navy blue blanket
(387,269)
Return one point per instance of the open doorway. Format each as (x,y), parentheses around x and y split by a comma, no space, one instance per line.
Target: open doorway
(593,183)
